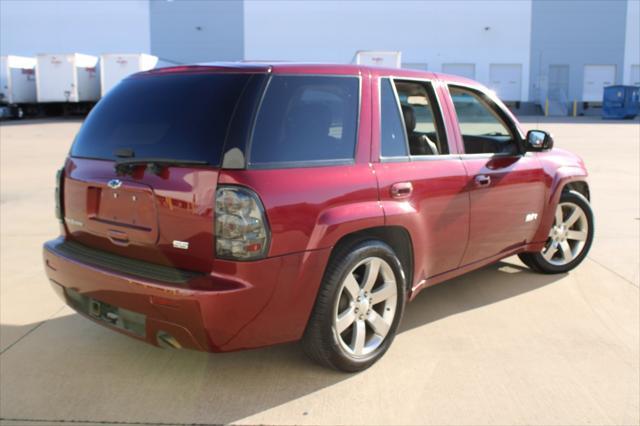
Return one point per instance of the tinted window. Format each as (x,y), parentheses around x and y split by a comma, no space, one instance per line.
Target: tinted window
(392,137)
(178,116)
(305,118)
(483,131)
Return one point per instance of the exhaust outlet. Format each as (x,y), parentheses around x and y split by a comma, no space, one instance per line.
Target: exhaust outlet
(165,340)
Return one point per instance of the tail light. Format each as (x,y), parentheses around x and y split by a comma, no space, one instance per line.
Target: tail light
(242,232)
(59,179)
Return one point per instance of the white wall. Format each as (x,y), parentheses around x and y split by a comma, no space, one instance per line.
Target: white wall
(433,32)
(632,39)
(28,27)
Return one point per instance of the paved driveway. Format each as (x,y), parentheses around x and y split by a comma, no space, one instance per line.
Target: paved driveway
(501,345)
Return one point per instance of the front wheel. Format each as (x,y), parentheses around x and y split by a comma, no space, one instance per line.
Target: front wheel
(358,307)
(569,239)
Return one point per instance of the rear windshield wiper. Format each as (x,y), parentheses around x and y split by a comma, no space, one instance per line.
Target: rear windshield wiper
(155,165)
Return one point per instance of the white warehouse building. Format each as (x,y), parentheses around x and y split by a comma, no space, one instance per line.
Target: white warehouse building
(527,50)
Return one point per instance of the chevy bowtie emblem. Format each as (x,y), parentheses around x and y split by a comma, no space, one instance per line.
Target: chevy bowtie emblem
(114,183)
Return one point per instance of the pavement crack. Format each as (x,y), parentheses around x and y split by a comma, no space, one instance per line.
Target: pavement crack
(613,271)
(31,330)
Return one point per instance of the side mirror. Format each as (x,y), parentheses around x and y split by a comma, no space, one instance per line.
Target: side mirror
(539,140)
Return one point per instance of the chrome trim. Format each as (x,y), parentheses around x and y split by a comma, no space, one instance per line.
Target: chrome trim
(70,221)
(183,245)
(435,157)
(498,154)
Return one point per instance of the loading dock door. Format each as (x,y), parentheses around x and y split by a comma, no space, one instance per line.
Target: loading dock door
(415,65)
(464,70)
(635,75)
(506,80)
(596,78)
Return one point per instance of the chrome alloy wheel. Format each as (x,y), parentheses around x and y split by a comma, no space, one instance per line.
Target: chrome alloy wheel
(567,236)
(365,307)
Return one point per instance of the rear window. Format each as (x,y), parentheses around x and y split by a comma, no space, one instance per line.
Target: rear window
(306,119)
(179,116)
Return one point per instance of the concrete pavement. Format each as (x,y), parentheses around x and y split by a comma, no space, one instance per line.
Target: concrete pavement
(498,346)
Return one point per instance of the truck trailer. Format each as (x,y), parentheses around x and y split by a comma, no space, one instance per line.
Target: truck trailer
(67,78)
(116,66)
(17,85)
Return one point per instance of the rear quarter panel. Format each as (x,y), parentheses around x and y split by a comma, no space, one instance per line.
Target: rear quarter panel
(310,209)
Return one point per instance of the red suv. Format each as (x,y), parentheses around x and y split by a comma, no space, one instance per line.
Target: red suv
(224,207)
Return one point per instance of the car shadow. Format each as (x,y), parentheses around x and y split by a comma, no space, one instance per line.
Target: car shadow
(491,284)
(129,381)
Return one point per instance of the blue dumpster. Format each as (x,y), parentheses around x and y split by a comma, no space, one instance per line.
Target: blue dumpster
(621,102)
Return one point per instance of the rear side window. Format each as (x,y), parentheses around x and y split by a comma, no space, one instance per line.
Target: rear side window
(173,116)
(306,119)
(392,134)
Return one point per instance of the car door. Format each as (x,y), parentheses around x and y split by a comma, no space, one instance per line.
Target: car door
(421,179)
(506,186)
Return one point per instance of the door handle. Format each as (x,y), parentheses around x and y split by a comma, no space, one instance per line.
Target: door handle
(401,189)
(483,180)
(118,238)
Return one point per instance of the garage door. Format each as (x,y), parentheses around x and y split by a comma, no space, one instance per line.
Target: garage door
(635,75)
(415,66)
(506,80)
(464,70)
(596,78)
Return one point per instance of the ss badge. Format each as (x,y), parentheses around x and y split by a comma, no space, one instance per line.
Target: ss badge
(184,245)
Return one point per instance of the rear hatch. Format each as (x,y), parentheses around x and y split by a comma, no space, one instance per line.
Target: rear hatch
(142,173)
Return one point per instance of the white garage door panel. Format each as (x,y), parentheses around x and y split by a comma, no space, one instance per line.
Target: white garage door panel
(415,66)
(596,78)
(506,81)
(464,70)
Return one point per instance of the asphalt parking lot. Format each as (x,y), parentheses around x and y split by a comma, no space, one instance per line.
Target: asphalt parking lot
(501,345)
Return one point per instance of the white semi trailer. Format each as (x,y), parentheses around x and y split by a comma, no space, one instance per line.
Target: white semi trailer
(17,80)
(116,66)
(68,78)
(378,58)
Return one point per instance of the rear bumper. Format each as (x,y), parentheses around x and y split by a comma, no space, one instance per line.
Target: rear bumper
(270,302)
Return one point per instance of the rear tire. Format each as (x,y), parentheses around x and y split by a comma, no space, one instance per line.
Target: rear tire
(569,239)
(358,308)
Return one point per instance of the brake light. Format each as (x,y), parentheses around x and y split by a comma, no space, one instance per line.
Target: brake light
(241,226)
(59,179)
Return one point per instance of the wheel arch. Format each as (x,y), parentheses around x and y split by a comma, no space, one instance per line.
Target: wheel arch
(565,179)
(580,186)
(397,237)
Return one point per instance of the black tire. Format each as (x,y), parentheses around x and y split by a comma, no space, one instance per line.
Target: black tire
(320,341)
(538,263)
